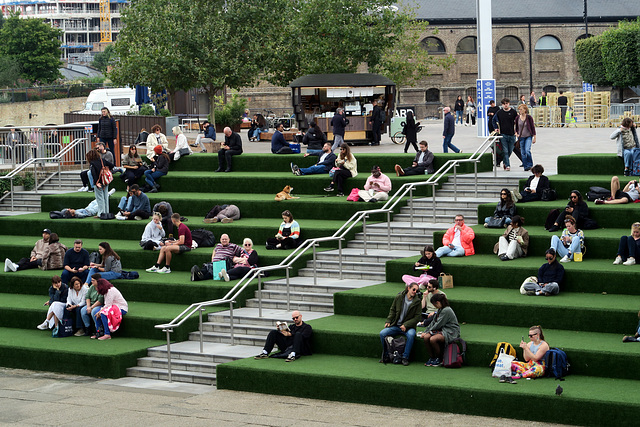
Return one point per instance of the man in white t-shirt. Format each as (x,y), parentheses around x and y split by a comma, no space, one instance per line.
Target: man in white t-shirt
(458,240)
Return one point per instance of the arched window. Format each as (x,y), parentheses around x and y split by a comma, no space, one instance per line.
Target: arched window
(510,44)
(547,43)
(467,45)
(511,92)
(472,92)
(432,95)
(433,45)
(549,89)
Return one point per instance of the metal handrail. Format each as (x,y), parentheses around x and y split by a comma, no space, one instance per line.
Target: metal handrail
(34,161)
(339,235)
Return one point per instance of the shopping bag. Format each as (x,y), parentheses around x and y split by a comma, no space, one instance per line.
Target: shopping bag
(445,281)
(503,365)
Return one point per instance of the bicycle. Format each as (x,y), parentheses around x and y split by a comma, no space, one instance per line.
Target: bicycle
(399,137)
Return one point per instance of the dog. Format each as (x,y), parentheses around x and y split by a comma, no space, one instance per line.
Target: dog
(285,194)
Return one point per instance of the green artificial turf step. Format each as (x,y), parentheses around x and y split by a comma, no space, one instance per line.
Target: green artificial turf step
(600,243)
(174,288)
(568,310)
(35,349)
(590,163)
(607,216)
(469,390)
(27,311)
(589,353)
(252,204)
(590,276)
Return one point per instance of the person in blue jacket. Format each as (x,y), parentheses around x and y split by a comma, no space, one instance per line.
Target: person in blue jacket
(278,144)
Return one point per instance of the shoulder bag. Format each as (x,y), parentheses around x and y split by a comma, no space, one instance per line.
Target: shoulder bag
(106,176)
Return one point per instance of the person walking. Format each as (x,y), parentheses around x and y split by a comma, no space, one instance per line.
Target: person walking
(459,108)
(526,134)
(449,131)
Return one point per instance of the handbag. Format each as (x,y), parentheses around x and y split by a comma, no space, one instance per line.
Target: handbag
(333,171)
(353,196)
(503,365)
(106,176)
(218,266)
(495,222)
(445,281)
(548,195)
(530,279)
(65,328)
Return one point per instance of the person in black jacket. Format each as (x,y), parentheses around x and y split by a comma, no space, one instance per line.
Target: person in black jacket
(107,129)
(58,293)
(550,277)
(161,168)
(314,139)
(326,160)
(534,187)
(459,109)
(339,123)
(411,131)
(296,336)
(576,207)
(448,132)
(422,163)
(506,207)
(232,146)
(377,117)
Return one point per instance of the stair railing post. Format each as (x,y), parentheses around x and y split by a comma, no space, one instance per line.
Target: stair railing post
(315,267)
(433,201)
(475,172)
(388,230)
(168,331)
(11,180)
(233,342)
(260,294)
(35,176)
(364,231)
(288,290)
(494,156)
(411,206)
(455,182)
(59,175)
(340,258)
(200,310)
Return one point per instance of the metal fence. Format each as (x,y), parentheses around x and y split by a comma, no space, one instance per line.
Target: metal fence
(40,93)
(128,126)
(18,145)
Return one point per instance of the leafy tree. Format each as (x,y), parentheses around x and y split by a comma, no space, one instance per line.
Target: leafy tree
(34,45)
(103,59)
(9,72)
(620,54)
(590,65)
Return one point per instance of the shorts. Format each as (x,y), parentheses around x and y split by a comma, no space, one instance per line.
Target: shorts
(621,194)
(184,248)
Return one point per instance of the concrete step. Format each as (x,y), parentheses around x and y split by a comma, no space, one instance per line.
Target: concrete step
(470,193)
(325,307)
(371,256)
(447,201)
(177,364)
(250,316)
(428,218)
(414,247)
(373,276)
(360,265)
(297,296)
(254,340)
(176,375)
(221,327)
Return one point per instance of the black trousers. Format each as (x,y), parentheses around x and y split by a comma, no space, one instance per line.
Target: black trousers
(224,158)
(287,243)
(339,177)
(142,214)
(84,176)
(375,129)
(26,263)
(130,176)
(415,170)
(276,338)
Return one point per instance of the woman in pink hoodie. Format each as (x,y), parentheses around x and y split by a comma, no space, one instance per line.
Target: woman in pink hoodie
(115,307)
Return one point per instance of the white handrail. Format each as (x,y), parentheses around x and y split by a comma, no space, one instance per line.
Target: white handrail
(339,235)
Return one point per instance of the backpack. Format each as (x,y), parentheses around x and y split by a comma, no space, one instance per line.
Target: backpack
(595,193)
(551,218)
(393,349)
(204,238)
(635,162)
(129,275)
(56,215)
(556,364)
(548,195)
(454,356)
(502,346)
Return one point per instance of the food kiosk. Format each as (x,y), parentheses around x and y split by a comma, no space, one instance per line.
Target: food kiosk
(315,97)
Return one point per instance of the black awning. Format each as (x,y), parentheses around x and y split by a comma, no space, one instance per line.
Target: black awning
(341,80)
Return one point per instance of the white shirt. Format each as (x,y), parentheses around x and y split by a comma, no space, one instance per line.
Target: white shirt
(456,239)
(534,183)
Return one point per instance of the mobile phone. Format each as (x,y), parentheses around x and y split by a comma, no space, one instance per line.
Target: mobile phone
(523,338)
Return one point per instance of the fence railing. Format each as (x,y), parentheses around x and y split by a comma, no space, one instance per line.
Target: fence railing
(287,264)
(65,155)
(26,142)
(39,93)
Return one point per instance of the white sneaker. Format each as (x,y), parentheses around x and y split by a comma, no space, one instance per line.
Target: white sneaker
(618,260)
(43,326)
(630,261)
(565,259)
(120,217)
(152,269)
(137,218)
(9,265)
(113,190)
(83,189)
(164,270)
(224,275)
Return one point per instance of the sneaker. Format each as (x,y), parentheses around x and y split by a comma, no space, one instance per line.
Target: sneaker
(261,356)
(112,191)
(512,380)
(11,266)
(399,170)
(210,220)
(515,194)
(120,217)
(164,270)
(630,261)
(298,172)
(503,379)
(437,362)
(329,189)
(152,269)
(340,194)
(224,275)
(226,220)
(293,168)
(486,225)
(531,293)
(83,189)
(429,362)
(565,259)
(137,218)
(599,202)
(290,358)
(104,337)
(194,270)
(43,326)
(79,333)
(617,261)
(405,362)
(54,333)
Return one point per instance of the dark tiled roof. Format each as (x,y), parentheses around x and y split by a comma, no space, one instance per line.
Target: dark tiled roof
(540,11)
(337,80)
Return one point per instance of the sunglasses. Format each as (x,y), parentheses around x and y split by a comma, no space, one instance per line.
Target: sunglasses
(295,318)
(532,335)
(503,194)
(247,244)
(574,197)
(549,258)
(459,220)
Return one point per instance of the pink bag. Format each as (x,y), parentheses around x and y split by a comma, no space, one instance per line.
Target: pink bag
(353,196)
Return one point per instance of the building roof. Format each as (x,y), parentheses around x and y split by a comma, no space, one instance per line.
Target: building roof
(538,11)
(341,80)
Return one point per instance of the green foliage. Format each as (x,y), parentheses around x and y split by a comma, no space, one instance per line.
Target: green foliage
(590,65)
(103,59)
(145,110)
(34,45)
(230,114)
(620,54)
(164,112)
(9,72)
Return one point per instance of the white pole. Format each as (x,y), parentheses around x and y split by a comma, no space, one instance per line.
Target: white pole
(485,56)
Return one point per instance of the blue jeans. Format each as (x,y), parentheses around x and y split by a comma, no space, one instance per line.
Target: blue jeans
(313,152)
(629,247)
(94,312)
(508,142)
(525,151)
(628,158)
(507,221)
(459,116)
(103,322)
(102,197)
(256,134)
(86,317)
(106,275)
(125,204)
(557,244)
(446,250)
(151,177)
(313,169)
(395,330)
(446,143)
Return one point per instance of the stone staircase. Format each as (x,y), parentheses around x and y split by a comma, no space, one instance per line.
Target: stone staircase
(316,301)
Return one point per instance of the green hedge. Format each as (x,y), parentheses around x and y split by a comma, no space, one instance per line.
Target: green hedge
(591,163)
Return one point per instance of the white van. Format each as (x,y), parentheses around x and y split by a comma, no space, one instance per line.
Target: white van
(119,100)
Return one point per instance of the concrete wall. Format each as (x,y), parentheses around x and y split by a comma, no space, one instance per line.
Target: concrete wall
(39,113)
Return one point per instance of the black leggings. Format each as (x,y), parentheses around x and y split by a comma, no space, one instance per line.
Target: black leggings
(287,243)
(339,177)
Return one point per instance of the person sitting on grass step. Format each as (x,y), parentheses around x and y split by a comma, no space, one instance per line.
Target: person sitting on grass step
(346,167)
(153,233)
(138,206)
(160,168)
(636,336)
(182,245)
(76,262)
(293,341)
(628,194)
(326,160)
(76,301)
(377,187)
(629,247)
(428,259)
(549,278)
(458,240)
(239,266)
(115,307)
(110,268)
(58,294)
(441,331)
(570,242)
(35,258)
(429,310)
(514,242)
(422,163)
(288,234)
(533,353)
(403,318)
(222,251)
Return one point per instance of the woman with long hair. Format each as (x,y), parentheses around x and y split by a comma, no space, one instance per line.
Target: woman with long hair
(441,331)
(133,167)
(288,234)
(347,167)
(411,131)
(429,264)
(526,134)
(100,189)
(506,208)
(110,267)
(107,130)
(115,307)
